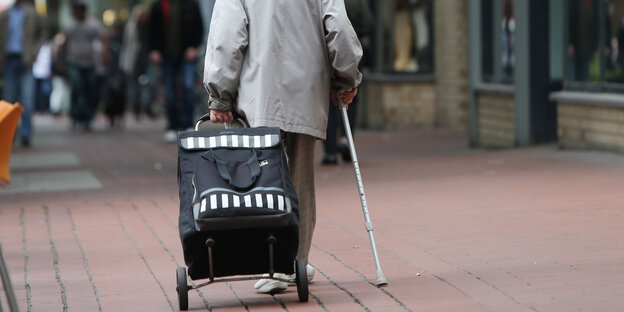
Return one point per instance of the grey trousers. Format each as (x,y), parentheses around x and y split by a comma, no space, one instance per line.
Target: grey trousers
(300,152)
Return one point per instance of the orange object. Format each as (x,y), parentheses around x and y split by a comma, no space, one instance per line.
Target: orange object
(9,118)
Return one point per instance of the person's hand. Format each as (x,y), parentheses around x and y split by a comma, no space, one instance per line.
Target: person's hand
(190,54)
(155,57)
(346,97)
(220,116)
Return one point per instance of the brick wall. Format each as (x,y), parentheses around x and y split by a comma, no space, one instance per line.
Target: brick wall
(584,126)
(399,105)
(451,62)
(496,120)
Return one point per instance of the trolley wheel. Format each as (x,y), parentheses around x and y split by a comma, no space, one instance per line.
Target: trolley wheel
(301,279)
(182,288)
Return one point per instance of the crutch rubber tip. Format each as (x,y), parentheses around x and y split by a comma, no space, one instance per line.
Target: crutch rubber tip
(381,279)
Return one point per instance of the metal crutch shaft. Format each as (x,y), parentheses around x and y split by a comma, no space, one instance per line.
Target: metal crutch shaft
(381,279)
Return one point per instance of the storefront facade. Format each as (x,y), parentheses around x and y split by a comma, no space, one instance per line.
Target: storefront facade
(547,71)
(416,75)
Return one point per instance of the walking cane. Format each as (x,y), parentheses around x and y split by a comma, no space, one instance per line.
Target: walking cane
(381,279)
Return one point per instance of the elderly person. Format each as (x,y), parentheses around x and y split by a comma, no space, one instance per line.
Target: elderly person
(276,63)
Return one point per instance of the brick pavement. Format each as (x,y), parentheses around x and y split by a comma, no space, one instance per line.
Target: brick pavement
(532,229)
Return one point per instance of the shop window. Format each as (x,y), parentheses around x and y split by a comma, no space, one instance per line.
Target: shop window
(405,36)
(595,54)
(498,33)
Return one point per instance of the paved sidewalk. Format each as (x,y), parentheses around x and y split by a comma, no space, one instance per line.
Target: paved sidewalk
(90,224)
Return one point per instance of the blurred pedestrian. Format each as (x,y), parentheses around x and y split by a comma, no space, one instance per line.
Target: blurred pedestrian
(78,56)
(60,96)
(42,71)
(21,35)
(134,62)
(275,62)
(176,30)
(362,20)
(114,87)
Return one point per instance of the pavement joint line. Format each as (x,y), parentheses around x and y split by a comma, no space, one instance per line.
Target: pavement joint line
(26,257)
(140,254)
(445,262)
(163,213)
(364,278)
(280,302)
(55,259)
(85,261)
(237,296)
(440,278)
(477,277)
(162,244)
(318,301)
(513,275)
(197,289)
(355,299)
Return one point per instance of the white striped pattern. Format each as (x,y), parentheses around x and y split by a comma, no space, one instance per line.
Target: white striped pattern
(224,201)
(213,201)
(280,202)
(231,140)
(257,200)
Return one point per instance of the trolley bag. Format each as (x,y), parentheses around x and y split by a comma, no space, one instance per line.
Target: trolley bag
(234,187)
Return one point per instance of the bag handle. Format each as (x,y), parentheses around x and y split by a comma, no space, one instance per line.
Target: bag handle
(252,163)
(206,117)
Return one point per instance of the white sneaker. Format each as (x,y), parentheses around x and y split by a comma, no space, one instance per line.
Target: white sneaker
(271,286)
(170,136)
(309,273)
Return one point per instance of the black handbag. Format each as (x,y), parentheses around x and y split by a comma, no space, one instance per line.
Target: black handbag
(239,179)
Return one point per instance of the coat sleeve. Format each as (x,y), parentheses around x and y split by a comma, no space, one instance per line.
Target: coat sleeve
(343,46)
(225,52)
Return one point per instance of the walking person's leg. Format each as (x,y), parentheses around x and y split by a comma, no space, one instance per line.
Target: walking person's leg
(300,152)
(27,95)
(92,94)
(170,73)
(10,79)
(76,99)
(189,76)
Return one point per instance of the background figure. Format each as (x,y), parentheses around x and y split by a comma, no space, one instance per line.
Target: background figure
(42,71)
(115,89)
(362,20)
(83,36)
(21,36)
(175,32)
(134,63)
(59,98)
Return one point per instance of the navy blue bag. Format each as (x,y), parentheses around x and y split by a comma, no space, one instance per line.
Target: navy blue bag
(234,187)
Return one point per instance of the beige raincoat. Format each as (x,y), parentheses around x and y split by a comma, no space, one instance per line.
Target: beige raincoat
(275,61)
